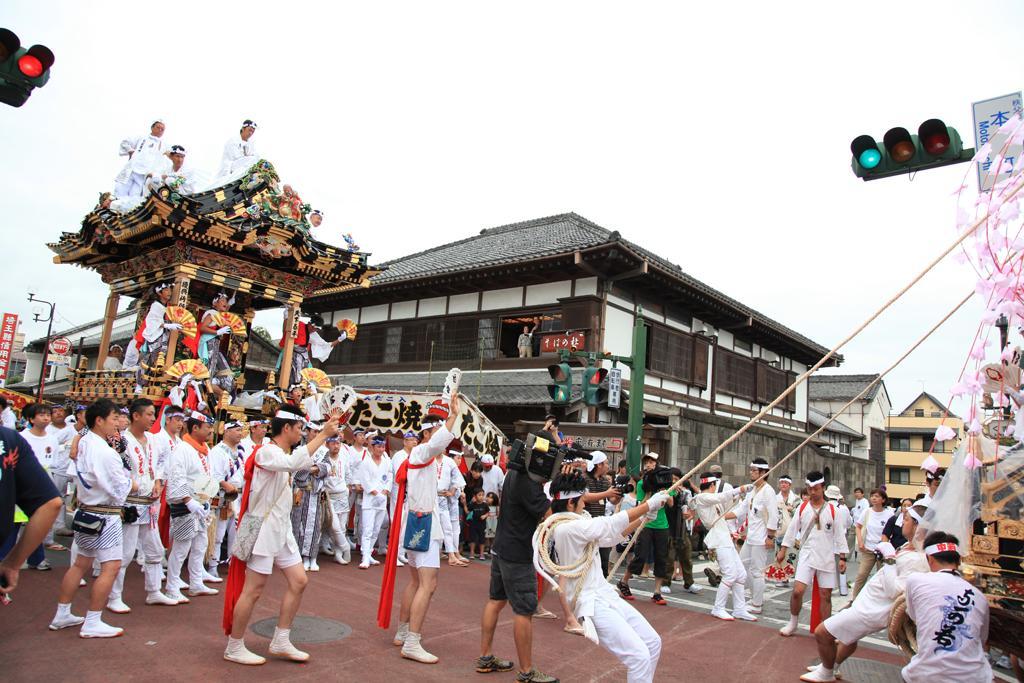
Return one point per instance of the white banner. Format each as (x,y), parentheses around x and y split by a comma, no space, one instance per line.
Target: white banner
(401,412)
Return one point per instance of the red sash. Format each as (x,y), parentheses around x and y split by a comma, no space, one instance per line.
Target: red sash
(387,587)
(236,569)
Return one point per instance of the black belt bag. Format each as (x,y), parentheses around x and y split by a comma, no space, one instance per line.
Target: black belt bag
(129,514)
(88,523)
(178,509)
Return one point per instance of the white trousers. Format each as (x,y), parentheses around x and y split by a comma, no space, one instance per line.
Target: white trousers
(453,512)
(755,558)
(357,517)
(444,517)
(373,520)
(623,631)
(140,537)
(133,187)
(194,550)
(225,527)
(733,578)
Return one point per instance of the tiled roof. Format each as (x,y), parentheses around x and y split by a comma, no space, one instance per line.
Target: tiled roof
(528,387)
(841,387)
(551,236)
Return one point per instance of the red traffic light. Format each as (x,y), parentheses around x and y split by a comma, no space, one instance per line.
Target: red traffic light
(899,145)
(30,66)
(934,137)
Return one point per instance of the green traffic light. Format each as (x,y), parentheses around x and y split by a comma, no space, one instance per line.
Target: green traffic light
(870,158)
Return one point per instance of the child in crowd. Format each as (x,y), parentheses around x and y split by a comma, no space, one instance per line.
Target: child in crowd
(476,520)
(492,520)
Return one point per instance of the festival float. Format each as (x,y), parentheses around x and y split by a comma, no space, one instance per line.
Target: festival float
(221,254)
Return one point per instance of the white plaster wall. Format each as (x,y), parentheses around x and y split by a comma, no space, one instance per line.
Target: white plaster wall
(374,314)
(403,309)
(463,303)
(586,285)
(502,298)
(619,301)
(618,334)
(430,307)
(548,293)
(349,313)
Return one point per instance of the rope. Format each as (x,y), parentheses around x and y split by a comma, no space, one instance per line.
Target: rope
(543,538)
(803,377)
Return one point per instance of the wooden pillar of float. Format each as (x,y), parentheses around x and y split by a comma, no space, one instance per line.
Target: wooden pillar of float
(179,297)
(292,326)
(108,325)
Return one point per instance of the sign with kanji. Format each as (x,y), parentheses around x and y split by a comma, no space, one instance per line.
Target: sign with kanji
(613,444)
(563,341)
(615,387)
(398,413)
(63,361)
(8,328)
(61,346)
(989,117)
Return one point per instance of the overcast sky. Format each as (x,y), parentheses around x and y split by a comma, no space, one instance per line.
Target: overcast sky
(716,136)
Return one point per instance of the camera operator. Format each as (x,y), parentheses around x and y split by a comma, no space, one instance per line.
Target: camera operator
(600,492)
(654,535)
(679,548)
(513,577)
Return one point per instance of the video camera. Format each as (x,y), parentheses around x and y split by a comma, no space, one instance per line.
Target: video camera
(541,458)
(657,479)
(623,484)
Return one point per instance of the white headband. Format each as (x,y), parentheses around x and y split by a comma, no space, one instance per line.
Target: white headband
(427,424)
(232,424)
(941,548)
(199,417)
(708,480)
(913,513)
(815,482)
(568,495)
(760,465)
(786,479)
(285,415)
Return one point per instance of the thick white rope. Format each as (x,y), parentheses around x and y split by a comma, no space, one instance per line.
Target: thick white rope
(545,564)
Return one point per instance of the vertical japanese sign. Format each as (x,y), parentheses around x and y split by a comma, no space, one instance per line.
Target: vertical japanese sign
(989,116)
(7,331)
(614,387)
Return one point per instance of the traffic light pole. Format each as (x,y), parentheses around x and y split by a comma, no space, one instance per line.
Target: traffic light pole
(637,364)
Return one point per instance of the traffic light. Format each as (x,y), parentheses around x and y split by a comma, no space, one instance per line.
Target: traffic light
(561,386)
(935,145)
(21,70)
(593,392)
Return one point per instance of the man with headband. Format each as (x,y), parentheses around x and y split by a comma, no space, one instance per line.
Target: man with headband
(715,511)
(761,514)
(375,478)
(309,513)
(951,617)
(239,152)
(336,484)
(816,529)
(869,612)
(227,465)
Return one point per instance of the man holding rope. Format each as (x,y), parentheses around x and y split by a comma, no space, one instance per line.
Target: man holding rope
(576,538)
(815,525)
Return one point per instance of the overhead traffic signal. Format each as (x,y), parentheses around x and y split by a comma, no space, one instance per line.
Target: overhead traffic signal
(560,388)
(594,394)
(935,145)
(21,70)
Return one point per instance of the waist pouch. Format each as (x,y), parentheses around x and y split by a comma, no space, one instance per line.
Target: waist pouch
(88,523)
(178,509)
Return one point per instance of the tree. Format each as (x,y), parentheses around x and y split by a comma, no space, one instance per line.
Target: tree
(263,332)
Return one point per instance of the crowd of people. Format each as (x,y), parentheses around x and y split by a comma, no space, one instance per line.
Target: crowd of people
(154,484)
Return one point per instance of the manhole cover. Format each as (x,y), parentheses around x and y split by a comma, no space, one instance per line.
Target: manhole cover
(306,629)
(870,671)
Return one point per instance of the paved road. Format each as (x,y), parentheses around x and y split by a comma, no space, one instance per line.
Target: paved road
(175,643)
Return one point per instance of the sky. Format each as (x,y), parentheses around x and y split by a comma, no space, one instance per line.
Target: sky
(716,135)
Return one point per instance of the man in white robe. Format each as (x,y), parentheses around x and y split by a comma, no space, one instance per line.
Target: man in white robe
(145,159)
(173,173)
(375,477)
(759,512)
(227,465)
(239,152)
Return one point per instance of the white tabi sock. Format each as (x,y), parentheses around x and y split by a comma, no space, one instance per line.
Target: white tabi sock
(63,609)
(281,635)
(93,618)
(793,620)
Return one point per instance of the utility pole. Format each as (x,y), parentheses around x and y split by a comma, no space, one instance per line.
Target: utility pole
(46,345)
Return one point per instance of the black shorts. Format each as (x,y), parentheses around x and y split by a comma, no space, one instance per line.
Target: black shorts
(476,533)
(650,538)
(515,582)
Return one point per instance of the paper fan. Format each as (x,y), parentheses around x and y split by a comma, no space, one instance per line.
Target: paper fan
(190,366)
(184,317)
(338,400)
(232,320)
(349,327)
(1000,377)
(317,376)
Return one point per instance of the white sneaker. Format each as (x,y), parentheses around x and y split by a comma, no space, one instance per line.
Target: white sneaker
(744,615)
(754,609)
(100,629)
(65,622)
(693,588)
(202,590)
(177,597)
(313,566)
(816,675)
(666,590)
(722,614)
(158,598)
(788,630)
(117,606)
(285,650)
(240,654)
(210,577)
(412,649)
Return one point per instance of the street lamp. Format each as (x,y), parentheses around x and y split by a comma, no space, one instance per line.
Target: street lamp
(46,345)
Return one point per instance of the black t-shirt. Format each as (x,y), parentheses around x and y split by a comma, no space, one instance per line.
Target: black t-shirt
(23,481)
(894,533)
(477,512)
(595,485)
(472,486)
(523,505)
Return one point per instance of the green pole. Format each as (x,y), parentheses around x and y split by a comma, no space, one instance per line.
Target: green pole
(638,369)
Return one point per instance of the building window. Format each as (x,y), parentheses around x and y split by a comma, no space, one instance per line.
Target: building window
(930,445)
(678,355)
(844,448)
(918,412)
(742,345)
(751,379)
(899,475)
(899,443)
(538,324)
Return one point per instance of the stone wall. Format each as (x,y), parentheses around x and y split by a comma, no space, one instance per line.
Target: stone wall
(696,434)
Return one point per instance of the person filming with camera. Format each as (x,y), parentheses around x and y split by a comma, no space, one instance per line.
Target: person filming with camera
(575,539)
